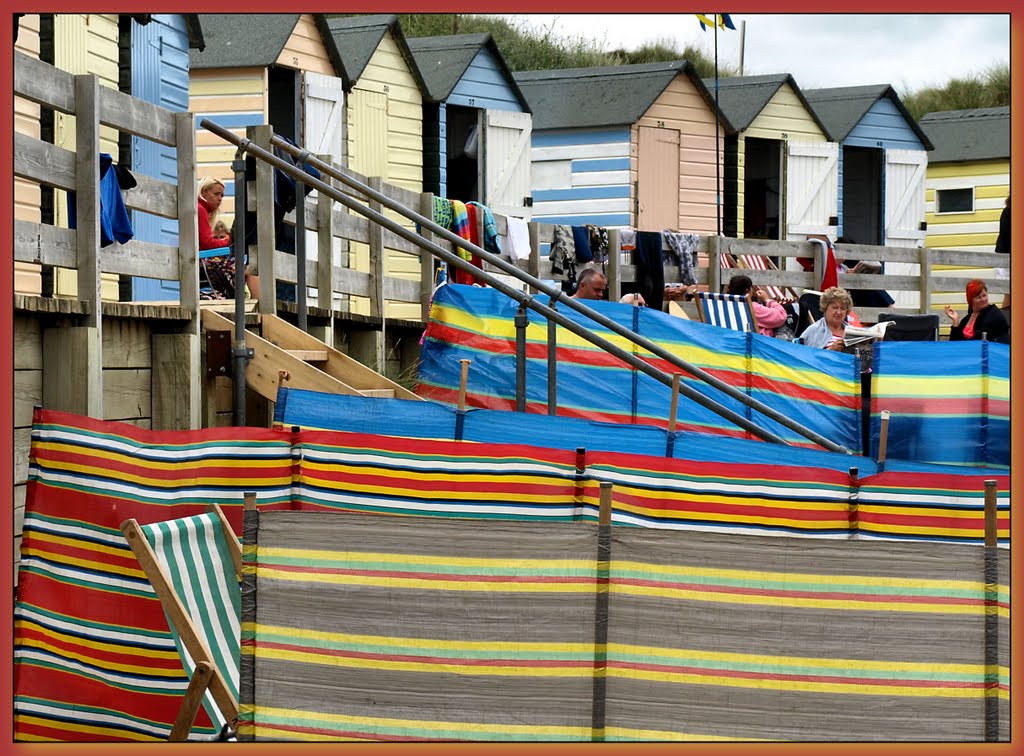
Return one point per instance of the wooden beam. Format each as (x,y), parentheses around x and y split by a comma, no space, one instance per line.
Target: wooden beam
(176,385)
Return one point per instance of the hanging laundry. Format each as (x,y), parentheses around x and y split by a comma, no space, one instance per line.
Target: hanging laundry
(598,243)
(563,256)
(461,227)
(490,229)
(581,241)
(650,275)
(443,212)
(518,239)
(474,225)
(681,250)
(115,225)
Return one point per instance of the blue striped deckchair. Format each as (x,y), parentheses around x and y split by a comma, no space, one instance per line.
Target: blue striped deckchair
(193,564)
(732,311)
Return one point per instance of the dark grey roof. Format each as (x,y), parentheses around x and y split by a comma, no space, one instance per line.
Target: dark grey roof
(961,135)
(443,61)
(567,98)
(357,38)
(242,40)
(842,108)
(742,98)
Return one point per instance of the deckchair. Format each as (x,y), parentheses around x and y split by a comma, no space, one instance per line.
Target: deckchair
(760,262)
(193,564)
(733,311)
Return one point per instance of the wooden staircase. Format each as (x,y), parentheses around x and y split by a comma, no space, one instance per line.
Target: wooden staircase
(286,355)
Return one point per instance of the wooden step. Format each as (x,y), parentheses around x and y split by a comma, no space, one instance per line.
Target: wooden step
(309,355)
(379,393)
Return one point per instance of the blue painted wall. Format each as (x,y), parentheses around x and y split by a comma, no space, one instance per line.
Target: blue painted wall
(159,63)
(581,176)
(883,127)
(483,87)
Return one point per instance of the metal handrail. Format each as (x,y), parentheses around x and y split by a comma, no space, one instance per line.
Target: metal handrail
(452,259)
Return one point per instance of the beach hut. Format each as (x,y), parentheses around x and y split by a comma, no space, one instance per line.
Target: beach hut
(79,43)
(968,176)
(624,146)
(142,54)
(384,122)
(882,160)
(473,101)
(280,69)
(781,162)
(158,48)
(27,194)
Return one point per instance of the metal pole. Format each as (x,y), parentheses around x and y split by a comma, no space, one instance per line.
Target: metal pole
(300,255)
(521,321)
(552,364)
(454,260)
(240,354)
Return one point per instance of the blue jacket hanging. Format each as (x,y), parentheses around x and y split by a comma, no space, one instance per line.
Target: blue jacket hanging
(115,225)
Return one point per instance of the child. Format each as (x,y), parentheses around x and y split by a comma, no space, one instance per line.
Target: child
(220,230)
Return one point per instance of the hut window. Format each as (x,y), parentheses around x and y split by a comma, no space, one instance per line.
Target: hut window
(954,201)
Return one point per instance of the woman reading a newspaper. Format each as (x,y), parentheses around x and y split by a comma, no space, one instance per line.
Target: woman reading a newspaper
(829,331)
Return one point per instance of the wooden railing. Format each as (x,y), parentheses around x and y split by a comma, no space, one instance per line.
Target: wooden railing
(334,225)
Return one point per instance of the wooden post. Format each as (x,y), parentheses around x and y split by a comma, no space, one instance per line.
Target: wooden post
(462,384)
(83,364)
(262,262)
(72,371)
(925,279)
(883,437)
(188,231)
(853,511)
(376,244)
(714,263)
(533,264)
(325,260)
(604,516)
(614,262)
(175,381)
(675,403)
(991,515)
(426,259)
(250,501)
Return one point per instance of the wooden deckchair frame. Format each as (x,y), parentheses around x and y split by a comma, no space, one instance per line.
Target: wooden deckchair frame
(704,297)
(206,674)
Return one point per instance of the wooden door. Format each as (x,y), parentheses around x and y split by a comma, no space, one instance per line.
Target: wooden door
(812,189)
(506,161)
(657,179)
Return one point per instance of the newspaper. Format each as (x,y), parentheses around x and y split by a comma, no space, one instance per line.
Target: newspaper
(857,335)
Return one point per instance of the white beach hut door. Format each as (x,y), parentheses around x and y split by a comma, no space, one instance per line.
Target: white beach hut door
(323,133)
(812,189)
(904,212)
(506,162)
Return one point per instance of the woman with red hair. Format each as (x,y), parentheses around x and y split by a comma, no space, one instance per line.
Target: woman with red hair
(983,320)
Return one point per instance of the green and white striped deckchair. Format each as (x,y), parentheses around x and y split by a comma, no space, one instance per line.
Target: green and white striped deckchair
(193,564)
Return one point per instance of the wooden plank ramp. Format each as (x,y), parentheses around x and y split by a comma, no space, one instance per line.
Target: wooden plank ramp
(285,355)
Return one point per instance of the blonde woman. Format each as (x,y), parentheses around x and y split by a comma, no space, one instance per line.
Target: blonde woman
(220,268)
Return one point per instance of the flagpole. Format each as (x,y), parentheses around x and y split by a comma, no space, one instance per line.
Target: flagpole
(718,161)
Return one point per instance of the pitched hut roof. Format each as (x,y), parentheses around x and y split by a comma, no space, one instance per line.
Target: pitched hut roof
(248,40)
(842,108)
(444,60)
(602,96)
(742,98)
(357,38)
(961,135)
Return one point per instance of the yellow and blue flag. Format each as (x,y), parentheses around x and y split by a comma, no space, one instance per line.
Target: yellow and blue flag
(721,20)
